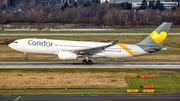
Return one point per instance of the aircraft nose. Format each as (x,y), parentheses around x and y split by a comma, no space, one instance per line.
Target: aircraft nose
(10,45)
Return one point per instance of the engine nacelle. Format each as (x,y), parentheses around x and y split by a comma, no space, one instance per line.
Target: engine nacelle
(67,56)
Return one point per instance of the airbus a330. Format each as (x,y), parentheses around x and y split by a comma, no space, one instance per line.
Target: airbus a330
(70,50)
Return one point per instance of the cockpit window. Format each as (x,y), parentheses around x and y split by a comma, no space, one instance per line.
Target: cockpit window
(15,42)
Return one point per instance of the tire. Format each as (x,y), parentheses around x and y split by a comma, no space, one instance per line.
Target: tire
(84,62)
(89,62)
(26,58)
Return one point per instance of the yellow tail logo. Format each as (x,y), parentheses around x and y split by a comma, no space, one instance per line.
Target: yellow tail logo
(158,38)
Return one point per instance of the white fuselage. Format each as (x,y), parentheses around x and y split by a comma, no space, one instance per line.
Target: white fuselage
(52,47)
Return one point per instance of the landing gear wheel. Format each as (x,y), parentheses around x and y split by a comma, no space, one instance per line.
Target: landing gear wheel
(89,62)
(84,62)
(26,58)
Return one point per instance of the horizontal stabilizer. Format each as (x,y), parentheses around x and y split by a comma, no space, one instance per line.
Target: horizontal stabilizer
(155,49)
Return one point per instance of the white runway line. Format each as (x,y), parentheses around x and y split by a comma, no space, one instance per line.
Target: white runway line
(154,65)
(129,65)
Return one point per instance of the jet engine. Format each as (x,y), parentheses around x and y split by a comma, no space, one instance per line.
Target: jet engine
(67,56)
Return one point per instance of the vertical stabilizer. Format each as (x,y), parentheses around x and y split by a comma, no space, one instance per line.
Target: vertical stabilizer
(157,37)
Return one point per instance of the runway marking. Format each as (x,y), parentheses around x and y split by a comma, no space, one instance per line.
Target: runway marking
(154,65)
(17,98)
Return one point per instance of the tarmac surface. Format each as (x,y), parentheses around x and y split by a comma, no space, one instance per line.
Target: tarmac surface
(82,33)
(133,65)
(122,97)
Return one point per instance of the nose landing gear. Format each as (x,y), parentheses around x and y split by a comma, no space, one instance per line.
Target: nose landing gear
(26,58)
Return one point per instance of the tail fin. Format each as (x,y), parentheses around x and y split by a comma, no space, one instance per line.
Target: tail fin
(157,37)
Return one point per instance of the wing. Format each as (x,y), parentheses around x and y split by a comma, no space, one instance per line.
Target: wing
(93,50)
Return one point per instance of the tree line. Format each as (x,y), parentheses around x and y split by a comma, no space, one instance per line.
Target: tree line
(110,14)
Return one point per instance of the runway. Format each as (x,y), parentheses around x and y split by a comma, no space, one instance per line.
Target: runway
(81,34)
(130,65)
(93,97)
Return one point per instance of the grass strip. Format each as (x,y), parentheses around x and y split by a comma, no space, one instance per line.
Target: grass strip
(158,82)
(161,79)
(75,70)
(52,92)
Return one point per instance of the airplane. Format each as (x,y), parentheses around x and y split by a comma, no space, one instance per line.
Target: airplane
(72,50)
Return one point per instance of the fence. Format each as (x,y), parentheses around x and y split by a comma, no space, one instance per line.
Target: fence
(63,27)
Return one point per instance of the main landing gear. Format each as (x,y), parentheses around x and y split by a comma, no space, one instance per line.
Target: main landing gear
(26,58)
(86,61)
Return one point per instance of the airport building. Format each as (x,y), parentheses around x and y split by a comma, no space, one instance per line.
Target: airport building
(169,4)
(137,3)
(46,2)
(57,2)
(3,3)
